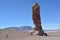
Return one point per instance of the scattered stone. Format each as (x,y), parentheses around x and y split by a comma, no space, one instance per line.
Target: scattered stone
(6,36)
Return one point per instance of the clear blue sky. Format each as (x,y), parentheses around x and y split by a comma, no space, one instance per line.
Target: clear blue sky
(16,13)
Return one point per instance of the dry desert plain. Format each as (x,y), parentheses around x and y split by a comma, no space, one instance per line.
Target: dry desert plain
(19,35)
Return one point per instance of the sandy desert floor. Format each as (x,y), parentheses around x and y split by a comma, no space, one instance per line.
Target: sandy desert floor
(18,35)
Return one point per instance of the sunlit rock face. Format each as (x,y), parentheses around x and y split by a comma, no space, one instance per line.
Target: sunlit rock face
(36,20)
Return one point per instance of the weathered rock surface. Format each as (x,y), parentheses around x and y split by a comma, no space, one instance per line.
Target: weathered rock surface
(37,20)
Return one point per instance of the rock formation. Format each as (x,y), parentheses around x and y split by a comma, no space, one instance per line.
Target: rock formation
(37,20)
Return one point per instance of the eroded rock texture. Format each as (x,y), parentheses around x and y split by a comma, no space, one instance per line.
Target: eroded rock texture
(37,19)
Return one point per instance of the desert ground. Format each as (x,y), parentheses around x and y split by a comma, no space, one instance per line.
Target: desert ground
(19,35)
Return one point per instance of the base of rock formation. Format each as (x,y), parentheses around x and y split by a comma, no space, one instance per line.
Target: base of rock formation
(33,32)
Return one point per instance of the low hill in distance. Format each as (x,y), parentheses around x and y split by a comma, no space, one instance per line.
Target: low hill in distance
(21,28)
(28,28)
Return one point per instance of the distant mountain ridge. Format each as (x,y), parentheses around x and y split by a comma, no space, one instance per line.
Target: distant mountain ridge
(28,28)
(21,28)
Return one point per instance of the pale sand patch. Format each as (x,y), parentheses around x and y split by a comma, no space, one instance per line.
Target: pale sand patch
(18,35)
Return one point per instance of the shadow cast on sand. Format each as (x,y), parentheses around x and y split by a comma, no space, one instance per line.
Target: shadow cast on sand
(53,35)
